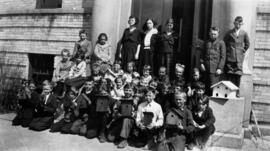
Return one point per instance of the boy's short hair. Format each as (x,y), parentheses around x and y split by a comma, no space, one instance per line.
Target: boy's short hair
(65,51)
(238,19)
(170,20)
(118,78)
(150,89)
(163,67)
(195,70)
(204,100)
(147,67)
(214,29)
(199,85)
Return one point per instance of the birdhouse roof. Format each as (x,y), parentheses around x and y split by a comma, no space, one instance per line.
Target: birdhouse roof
(228,84)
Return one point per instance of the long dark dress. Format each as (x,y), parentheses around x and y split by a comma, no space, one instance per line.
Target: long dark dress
(130,42)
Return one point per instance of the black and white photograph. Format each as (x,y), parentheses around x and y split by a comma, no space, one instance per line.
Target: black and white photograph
(135,75)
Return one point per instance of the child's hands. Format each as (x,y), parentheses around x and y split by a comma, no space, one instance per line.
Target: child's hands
(201,126)
(189,93)
(195,124)
(180,126)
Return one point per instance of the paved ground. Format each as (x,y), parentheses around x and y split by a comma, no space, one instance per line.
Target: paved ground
(22,139)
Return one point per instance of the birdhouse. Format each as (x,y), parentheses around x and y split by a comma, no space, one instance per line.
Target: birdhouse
(224,89)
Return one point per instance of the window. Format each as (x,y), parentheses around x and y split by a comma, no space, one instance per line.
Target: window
(226,95)
(41,67)
(216,94)
(49,4)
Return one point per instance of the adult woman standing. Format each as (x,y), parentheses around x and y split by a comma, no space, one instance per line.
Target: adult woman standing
(148,44)
(167,41)
(130,43)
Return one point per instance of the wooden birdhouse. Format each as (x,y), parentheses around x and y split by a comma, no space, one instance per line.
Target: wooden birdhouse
(224,89)
(126,107)
(172,119)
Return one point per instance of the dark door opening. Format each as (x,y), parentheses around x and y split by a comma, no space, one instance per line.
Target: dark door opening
(190,16)
(41,67)
(182,11)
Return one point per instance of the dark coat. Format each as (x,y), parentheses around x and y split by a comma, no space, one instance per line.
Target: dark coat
(213,55)
(207,118)
(236,45)
(187,122)
(48,109)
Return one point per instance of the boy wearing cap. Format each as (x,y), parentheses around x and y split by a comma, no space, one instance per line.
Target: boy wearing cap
(237,43)
(84,100)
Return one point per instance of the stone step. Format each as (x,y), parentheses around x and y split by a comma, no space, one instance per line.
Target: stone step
(219,139)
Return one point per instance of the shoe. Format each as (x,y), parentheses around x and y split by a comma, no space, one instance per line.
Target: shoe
(102,139)
(146,147)
(190,146)
(122,144)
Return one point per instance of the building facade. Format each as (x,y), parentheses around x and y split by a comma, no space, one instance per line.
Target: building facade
(33,32)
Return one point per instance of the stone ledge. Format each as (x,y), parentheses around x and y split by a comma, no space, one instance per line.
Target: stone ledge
(46,11)
(227,140)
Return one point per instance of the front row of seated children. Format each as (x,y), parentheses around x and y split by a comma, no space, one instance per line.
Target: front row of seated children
(145,111)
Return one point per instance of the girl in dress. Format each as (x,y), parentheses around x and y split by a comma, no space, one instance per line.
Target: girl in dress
(130,43)
(148,49)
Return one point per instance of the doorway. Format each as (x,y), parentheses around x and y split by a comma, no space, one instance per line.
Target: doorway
(192,17)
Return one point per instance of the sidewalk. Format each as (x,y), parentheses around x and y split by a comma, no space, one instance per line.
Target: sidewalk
(16,138)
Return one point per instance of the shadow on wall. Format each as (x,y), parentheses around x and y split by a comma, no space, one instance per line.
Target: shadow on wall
(9,82)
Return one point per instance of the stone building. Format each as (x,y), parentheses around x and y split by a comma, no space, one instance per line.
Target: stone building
(33,32)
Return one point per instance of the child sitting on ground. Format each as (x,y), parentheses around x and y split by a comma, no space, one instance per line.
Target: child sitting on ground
(204,122)
(123,118)
(149,119)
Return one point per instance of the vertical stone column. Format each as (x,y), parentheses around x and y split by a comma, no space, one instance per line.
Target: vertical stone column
(110,17)
(223,14)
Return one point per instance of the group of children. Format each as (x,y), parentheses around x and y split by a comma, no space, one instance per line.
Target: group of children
(119,106)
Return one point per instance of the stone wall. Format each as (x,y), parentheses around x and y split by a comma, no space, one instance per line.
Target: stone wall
(261,66)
